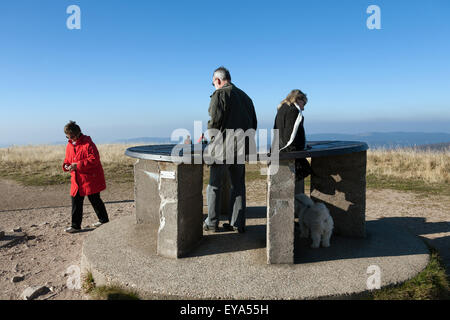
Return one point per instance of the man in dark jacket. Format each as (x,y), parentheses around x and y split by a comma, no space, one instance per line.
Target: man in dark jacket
(230,109)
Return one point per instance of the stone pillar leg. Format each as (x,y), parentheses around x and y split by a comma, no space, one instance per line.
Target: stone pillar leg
(280,213)
(180,209)
(340,183)
(146,192)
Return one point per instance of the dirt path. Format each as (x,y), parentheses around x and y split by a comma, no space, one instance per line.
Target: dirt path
(15,196)
(425,216)
(47,253)
(45,256)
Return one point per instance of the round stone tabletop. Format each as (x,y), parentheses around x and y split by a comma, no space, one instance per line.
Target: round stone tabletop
(313,149)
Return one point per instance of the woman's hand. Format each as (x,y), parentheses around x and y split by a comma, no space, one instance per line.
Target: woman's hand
(72,167)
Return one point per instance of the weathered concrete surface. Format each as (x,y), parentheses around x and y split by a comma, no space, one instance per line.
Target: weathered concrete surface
(340,183)
(230,265)
(280,213)
(181,208)
(146,195)
(169,202)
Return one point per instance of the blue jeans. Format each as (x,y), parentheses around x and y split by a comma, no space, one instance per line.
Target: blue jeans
(237,199)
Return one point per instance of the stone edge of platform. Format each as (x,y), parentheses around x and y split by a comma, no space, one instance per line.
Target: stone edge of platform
(103,279)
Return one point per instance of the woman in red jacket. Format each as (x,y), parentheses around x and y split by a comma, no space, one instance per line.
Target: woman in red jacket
(87,177)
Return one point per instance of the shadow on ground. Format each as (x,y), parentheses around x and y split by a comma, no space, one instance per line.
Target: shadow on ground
(385,237)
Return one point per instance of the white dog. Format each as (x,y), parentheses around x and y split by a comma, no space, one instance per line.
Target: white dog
(314,217)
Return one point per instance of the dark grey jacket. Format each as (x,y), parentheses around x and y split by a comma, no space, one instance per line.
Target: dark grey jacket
(231,108)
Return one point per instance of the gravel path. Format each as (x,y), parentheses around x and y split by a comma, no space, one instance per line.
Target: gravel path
(45,256)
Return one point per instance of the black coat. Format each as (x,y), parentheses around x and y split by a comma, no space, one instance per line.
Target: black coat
(285,122)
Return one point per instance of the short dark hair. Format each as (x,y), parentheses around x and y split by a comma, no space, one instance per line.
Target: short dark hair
(72,128)
(222,73)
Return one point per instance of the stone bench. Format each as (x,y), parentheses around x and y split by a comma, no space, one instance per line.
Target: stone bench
(168,195)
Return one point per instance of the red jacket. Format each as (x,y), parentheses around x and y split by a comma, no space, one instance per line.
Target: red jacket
(89,177)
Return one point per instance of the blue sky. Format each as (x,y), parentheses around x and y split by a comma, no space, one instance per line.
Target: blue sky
(144,68)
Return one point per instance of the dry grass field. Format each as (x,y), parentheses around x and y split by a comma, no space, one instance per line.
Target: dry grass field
(401,169)
(42,165)
(426,166)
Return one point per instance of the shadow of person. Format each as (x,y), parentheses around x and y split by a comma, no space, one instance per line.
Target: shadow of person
(232,241)
(223,241)
(250,213)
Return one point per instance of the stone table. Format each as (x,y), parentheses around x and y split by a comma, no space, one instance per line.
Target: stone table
(168,194)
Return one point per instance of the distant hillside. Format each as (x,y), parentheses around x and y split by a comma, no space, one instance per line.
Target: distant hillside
(387,140)
(150,140)
(375,140)
(434,147)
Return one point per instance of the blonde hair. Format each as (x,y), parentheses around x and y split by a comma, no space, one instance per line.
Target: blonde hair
(292,97)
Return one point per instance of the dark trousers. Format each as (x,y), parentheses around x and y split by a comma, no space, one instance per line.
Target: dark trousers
(77,209)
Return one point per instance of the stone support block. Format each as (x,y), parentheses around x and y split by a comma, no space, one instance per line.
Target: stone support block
(340,183)
(280,213)
(180,208)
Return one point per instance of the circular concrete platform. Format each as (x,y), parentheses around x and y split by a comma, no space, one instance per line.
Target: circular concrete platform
(229,265)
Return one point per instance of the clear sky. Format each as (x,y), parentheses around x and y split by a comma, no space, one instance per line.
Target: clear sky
(144,68)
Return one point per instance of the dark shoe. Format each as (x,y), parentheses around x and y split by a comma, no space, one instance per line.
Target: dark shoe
(72,230)
(98,224)
(229,227)
(210,228)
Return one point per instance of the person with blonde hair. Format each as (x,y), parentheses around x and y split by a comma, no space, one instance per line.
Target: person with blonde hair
(291,132)
(289,121)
